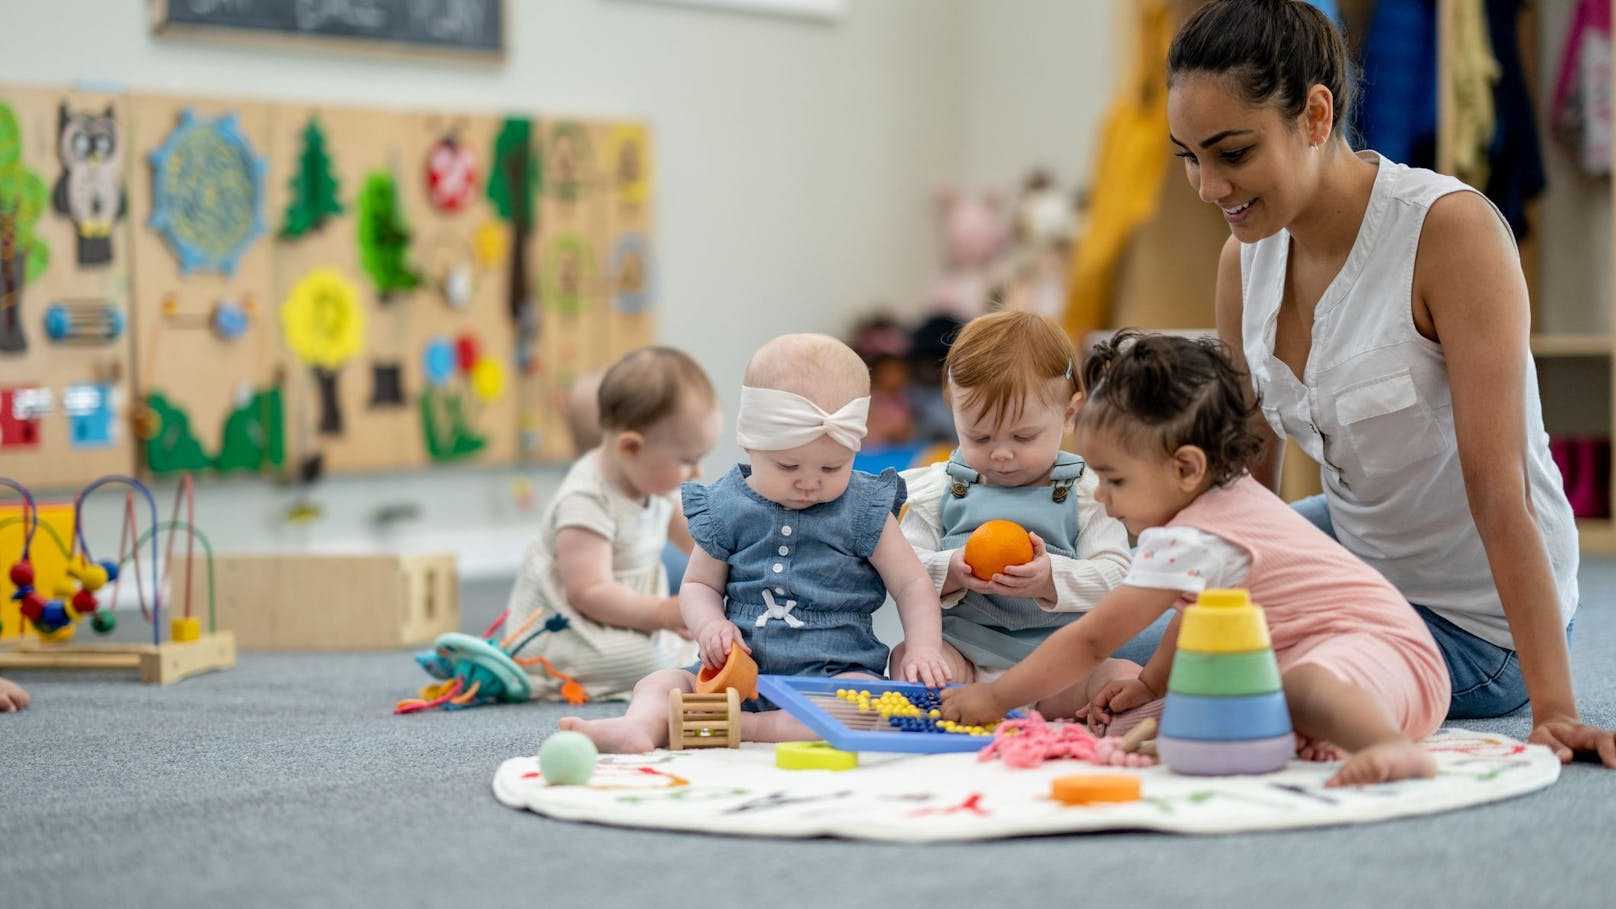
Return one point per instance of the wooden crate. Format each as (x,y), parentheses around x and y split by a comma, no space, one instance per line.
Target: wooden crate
(282,601)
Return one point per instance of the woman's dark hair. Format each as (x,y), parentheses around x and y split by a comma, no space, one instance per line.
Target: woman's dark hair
(1275,50)
(1161,392)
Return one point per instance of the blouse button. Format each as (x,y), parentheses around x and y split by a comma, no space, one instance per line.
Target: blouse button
(785,550)
(780,591)
(785,531)
(778,568)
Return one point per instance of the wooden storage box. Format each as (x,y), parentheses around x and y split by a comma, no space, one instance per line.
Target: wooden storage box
(328,602)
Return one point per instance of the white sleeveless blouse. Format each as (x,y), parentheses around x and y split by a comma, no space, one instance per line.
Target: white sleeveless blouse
(1375,409)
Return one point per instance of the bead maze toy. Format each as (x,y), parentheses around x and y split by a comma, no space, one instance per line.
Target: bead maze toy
(50,623)
(1225,712)
(485,670)
(868,715)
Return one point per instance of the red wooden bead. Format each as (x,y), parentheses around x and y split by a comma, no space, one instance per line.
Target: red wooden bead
(32,606)
(22,573)
(84,602)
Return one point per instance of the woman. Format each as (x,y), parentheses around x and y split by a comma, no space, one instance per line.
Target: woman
(1382,314)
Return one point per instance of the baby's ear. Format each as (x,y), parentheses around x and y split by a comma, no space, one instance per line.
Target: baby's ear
(1189,461)
(630,443)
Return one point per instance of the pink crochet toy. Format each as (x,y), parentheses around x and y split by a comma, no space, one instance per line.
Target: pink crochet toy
(1029,742)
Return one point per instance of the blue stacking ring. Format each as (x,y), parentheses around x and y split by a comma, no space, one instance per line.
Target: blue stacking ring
(1225,719)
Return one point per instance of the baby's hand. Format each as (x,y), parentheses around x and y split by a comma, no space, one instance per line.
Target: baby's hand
(1034,580)
(924,665)
(971,704)
(715,639)
(1116,697)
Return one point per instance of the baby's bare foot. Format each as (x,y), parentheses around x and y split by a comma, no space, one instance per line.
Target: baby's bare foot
(1384,763)
(1313,750)
(618,735)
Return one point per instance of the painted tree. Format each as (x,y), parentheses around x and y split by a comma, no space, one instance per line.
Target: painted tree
(384,238)
(314,187)
(514,178)
(23,255)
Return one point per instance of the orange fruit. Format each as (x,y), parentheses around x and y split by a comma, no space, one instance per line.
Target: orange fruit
(995,545)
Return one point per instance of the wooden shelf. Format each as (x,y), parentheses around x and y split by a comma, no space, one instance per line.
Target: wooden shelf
(1571,345)
(1597,536)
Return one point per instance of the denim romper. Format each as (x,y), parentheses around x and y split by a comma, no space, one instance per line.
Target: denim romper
(996,632)
(801,587)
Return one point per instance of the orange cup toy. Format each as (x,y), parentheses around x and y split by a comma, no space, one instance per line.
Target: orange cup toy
(995,546)
(739,672)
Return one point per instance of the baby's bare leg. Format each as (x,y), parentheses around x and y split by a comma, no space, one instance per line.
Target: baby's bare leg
(1326,709)
(645,725)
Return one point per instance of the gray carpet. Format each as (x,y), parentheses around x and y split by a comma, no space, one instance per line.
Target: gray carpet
(287,782)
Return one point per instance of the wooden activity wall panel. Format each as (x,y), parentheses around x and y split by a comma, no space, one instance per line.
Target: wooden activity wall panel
(65,363)
(305,287)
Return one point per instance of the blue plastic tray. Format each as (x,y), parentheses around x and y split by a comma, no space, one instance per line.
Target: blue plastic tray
(811,700)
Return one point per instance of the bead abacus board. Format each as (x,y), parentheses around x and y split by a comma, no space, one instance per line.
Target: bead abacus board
(867,715)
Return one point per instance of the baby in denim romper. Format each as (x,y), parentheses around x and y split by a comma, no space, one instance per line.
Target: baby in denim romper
(795,552)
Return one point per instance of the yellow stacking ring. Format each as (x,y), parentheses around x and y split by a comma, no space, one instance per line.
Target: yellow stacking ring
(813,756)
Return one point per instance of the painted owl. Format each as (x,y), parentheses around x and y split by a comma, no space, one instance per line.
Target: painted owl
(90,191)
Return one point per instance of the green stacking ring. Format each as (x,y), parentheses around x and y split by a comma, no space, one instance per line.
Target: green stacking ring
(1224,674)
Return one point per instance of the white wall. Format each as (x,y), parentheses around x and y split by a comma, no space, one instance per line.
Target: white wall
(795,161)
(1039,75)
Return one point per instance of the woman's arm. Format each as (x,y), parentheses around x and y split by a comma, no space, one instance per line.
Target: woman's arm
(1470,296)
(584,560)
(1229,305)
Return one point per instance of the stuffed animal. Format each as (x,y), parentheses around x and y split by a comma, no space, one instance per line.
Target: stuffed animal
(974,231)
(1047,221)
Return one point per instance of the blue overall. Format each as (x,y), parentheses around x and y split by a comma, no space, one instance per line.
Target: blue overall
(996,632)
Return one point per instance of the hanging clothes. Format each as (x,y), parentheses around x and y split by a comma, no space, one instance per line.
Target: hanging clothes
(1582,118)
(1475,73)
(1517,174)
(1398,114)
(1128,174)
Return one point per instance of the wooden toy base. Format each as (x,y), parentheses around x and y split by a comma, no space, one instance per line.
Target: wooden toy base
(704,720)
(163,664)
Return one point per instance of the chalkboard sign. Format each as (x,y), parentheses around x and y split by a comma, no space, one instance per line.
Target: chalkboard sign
(458,26)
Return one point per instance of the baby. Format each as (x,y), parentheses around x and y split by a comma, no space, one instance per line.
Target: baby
(795,552)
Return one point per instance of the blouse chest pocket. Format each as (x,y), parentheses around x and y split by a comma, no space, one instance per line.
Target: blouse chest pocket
(1386,423)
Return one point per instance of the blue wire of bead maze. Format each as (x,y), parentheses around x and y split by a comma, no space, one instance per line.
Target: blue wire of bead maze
(811,700)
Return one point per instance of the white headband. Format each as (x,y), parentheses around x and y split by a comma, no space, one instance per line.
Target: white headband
(774,420)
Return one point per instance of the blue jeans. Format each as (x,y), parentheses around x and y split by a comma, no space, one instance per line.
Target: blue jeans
(1487,678)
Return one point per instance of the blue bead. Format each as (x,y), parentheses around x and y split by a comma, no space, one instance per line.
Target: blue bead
(58,324)
(111,568)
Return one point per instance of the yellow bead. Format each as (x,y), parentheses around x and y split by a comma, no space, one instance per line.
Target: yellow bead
(934,713)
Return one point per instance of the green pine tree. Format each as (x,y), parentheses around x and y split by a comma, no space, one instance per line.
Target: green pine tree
(314,186)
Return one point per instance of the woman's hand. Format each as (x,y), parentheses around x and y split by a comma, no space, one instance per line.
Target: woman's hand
(1568,736)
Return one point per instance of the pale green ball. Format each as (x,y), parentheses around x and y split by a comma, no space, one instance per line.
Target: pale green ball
(567,759)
